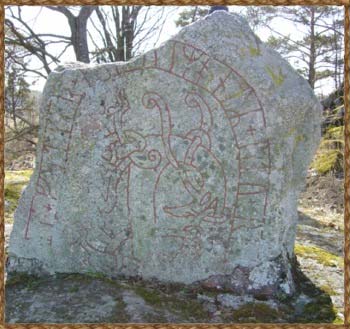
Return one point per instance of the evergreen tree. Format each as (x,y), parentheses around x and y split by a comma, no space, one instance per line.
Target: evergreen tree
(317,50)
(191,15)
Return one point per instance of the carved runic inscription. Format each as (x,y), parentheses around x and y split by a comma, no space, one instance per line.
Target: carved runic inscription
(183,165)
(175,166)
(190,186)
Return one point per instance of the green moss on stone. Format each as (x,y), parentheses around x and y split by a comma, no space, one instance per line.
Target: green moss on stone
(254,51)
(150,296)
(74,289)
(29,281)
(260,312)
(88,277)
(188,308)
(299,138)
(277,77)
(320,310)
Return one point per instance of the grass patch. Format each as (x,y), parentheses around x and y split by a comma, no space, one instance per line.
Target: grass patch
(320,255)
(15,181)
(328,290)
(338,320)
(18,175)
(325,161)
(330,154)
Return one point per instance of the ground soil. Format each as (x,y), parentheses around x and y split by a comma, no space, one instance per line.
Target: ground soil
(321,228)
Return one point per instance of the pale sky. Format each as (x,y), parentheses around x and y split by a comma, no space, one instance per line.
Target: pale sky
(47,21)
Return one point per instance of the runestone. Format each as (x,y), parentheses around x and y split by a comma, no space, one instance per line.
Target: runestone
(182,165)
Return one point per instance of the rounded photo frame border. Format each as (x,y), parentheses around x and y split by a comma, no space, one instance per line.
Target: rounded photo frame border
(344,3)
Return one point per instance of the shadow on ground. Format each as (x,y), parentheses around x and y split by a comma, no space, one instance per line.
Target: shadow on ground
(311,231)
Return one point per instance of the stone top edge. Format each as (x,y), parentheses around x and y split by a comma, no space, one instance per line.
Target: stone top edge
(217,17)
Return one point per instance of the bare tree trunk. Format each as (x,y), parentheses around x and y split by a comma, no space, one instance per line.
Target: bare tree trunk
(111,51)
(79,34)
(78,27)
(312,71)
(336,61)
(125,25)
(123,29)
(119,35)
(194,14)
(129,21)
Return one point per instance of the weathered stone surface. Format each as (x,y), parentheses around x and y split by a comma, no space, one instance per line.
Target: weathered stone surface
(183,165)
(78,298)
